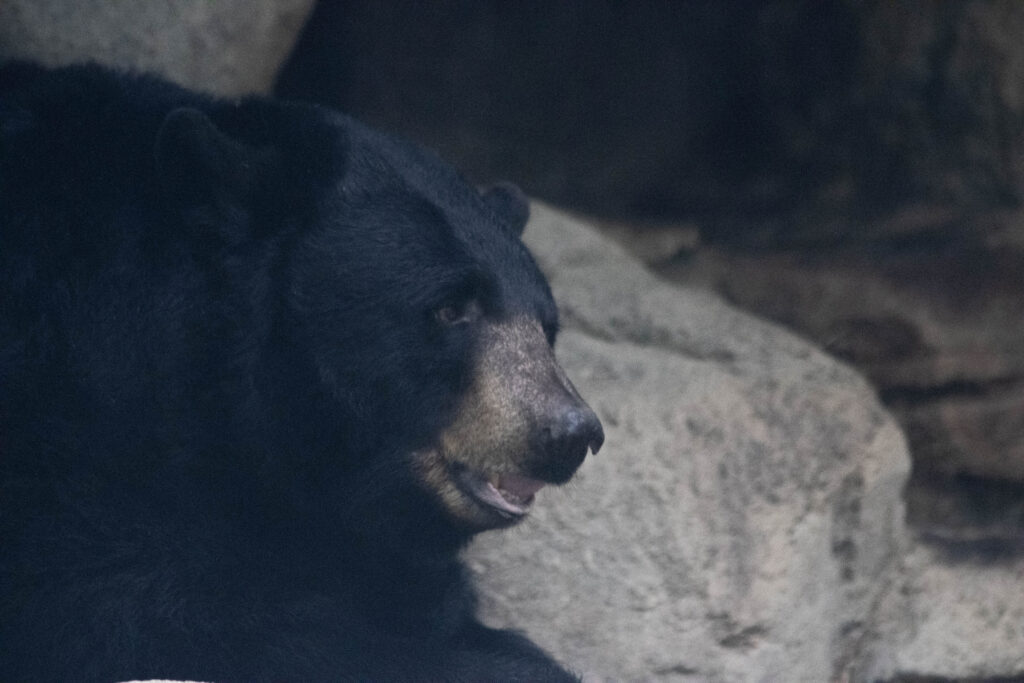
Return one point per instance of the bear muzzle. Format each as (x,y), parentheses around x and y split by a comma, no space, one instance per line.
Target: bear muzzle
(520,426)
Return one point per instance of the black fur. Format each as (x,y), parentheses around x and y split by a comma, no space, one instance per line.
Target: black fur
(217,352)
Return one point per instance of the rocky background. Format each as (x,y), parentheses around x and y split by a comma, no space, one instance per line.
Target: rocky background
(851,169)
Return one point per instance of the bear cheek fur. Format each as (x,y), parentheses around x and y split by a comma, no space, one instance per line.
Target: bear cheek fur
(516,382)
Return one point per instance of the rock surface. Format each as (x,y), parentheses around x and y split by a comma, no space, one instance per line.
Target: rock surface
(228,47)
(938,330)
(957,617)
(744,517)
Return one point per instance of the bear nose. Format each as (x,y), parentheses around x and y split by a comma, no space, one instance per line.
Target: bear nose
(574,432)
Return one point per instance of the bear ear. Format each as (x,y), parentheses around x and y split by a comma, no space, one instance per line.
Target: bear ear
(510,204)
(206,174)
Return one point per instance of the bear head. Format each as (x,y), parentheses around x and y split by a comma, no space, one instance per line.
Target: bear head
(406,377)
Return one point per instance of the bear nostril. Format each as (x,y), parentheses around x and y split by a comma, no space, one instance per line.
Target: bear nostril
(576,432)
(597,439)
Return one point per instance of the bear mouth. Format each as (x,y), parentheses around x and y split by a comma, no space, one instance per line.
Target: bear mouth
(510,495)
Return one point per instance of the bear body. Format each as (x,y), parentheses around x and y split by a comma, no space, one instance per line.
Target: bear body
(263,372)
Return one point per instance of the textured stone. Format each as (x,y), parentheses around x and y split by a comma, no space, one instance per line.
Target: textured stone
(741,521)
(228,47)
(957,616)
(938,329)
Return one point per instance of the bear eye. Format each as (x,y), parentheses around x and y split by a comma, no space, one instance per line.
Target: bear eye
(457,314)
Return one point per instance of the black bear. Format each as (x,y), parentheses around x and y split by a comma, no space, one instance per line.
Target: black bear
(263,372)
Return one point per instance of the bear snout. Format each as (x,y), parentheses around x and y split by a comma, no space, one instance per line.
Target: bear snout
(520,420)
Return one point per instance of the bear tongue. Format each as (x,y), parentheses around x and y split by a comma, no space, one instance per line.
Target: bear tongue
(521,488)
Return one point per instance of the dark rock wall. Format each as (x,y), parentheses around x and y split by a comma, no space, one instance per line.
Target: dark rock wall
(651,107)
(755,117)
